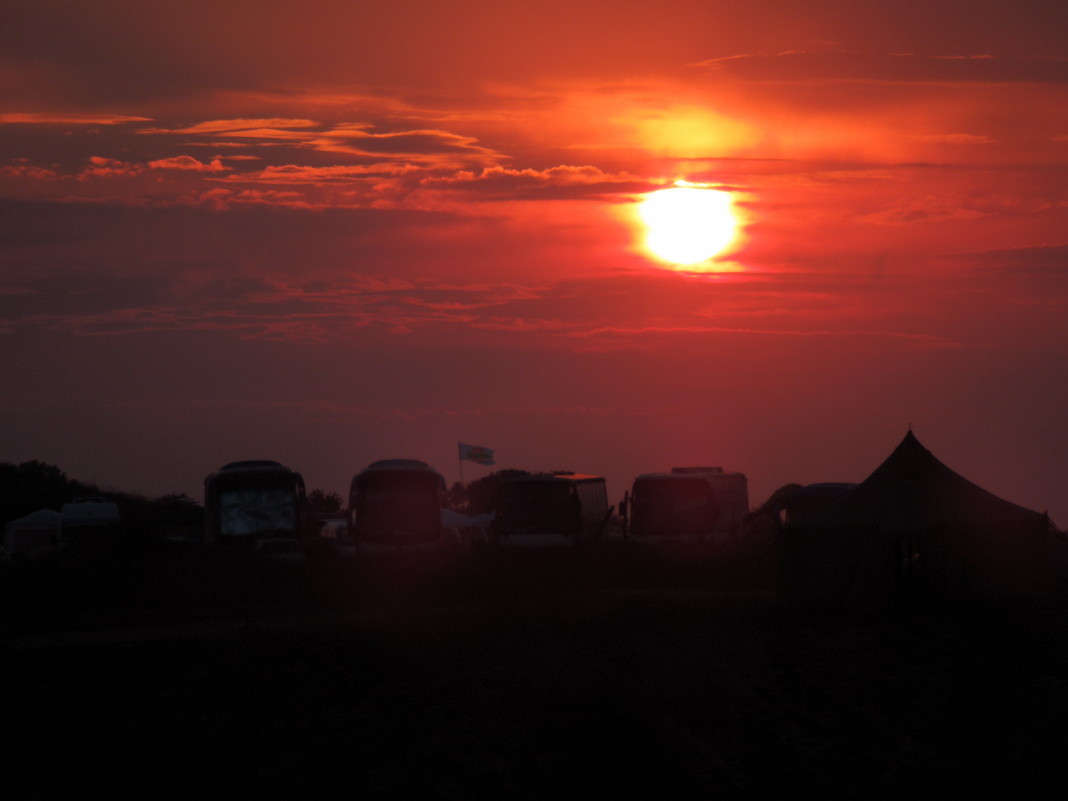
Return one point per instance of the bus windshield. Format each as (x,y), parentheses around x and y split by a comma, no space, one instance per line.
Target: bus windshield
(257,510)
(399,503)
(663,507)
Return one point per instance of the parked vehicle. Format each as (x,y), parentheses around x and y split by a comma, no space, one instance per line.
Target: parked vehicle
(245,502)
(689,504)
(547,510)
(89,523)
(395,504)
(812,498)
(33,535)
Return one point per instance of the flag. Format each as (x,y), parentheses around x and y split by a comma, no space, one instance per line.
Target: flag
(475,453)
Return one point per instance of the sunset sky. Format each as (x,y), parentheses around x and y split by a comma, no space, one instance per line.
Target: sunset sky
(327,233)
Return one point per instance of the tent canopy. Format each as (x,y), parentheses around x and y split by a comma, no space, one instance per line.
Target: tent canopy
(913,526)
(913,491)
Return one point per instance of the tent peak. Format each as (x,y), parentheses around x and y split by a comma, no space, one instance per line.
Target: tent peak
(910,441)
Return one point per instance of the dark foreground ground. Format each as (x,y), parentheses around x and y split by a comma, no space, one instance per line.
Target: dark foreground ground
(486,676)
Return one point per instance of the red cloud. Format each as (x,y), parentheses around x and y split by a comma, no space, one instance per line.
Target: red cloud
(235,127)
(304,174)
(69,119)
(102,167)
(795,66)
(188,163)
(23,170)
(564,174)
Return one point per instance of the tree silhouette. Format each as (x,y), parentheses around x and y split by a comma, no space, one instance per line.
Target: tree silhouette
(474,499)
(30,486)
(456,497)
(176,509)
(323,503)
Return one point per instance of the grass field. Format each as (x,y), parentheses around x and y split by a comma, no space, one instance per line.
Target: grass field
(513,676)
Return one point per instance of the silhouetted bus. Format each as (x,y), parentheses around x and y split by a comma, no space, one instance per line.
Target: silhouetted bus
(689,504)
(545,510)
(396,504)
(245,502)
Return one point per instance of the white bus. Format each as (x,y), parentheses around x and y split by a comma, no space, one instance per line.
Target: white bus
(89,523)
(689,504)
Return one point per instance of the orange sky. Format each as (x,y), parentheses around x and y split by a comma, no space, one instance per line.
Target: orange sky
(334,235)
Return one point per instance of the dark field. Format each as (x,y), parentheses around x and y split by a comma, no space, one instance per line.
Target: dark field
(524,675)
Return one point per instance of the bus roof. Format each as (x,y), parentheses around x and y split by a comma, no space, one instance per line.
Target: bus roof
(398,464)
(684,475)
(253,464)
(572,478)
(262,467)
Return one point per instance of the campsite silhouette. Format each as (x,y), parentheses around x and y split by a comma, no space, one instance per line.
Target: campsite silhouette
(905,634)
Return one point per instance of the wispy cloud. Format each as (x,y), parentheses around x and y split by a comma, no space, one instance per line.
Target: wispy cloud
(235,127)
(931,208)
(956,138)
(44,118)
(22,169)
(102,167)
(854,66)
(187,163)
(562,181)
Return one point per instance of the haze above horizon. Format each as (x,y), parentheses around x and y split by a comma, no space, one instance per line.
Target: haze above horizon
(336,234)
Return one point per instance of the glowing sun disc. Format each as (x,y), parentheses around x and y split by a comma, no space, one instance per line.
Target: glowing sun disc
(687,224)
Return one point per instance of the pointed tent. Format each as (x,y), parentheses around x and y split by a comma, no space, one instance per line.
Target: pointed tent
(916,525)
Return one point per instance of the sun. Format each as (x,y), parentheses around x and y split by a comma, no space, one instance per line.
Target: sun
(687,224)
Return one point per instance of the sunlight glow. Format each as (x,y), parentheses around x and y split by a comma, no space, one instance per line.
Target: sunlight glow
(687,224)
